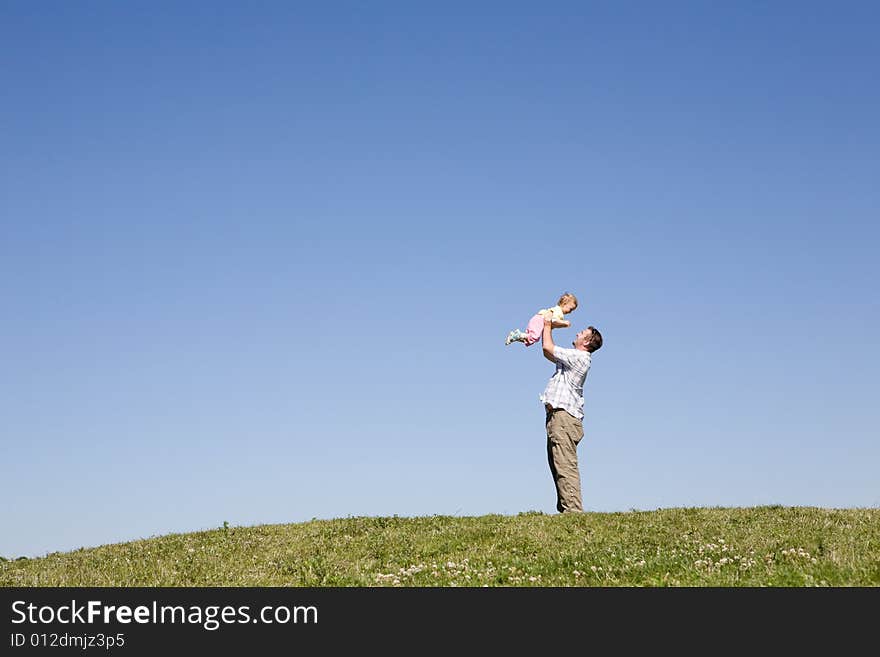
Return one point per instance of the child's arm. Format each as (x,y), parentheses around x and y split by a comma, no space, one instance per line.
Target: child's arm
(552,314)
(547,314)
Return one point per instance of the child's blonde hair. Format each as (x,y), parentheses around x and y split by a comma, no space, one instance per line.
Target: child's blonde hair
(567,296)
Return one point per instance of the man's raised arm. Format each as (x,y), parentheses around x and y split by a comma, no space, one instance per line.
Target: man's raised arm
(547,340)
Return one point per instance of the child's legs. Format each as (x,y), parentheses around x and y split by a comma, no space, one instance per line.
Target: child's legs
(534,329)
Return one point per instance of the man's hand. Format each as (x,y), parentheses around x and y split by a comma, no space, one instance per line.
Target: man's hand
(561,323)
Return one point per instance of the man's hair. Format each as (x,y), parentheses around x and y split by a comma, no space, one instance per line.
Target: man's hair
(567,296)
(595,342)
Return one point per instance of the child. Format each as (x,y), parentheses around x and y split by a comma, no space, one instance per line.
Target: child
(567,302)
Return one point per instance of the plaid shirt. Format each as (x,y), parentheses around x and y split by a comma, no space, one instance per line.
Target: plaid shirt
(566,387)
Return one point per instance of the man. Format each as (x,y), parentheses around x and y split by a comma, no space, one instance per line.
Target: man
(564,402)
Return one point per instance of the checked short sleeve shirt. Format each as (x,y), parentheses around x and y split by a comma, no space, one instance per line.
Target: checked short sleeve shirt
(566,387)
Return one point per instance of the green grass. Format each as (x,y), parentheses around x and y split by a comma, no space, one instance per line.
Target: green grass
(759,546)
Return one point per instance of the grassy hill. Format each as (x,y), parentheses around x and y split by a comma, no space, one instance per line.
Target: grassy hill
(760,546)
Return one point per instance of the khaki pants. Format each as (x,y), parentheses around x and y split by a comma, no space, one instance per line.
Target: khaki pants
(564,432)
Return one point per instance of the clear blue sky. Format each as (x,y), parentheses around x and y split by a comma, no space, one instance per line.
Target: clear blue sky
(258,260)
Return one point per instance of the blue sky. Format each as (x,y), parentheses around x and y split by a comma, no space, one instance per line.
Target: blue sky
(258,260)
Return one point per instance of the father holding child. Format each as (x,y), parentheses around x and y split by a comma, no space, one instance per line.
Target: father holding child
(564,402)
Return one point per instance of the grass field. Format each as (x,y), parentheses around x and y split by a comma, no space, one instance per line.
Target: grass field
(695,547)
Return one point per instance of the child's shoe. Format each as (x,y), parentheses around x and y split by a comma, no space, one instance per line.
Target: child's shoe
(514,336)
